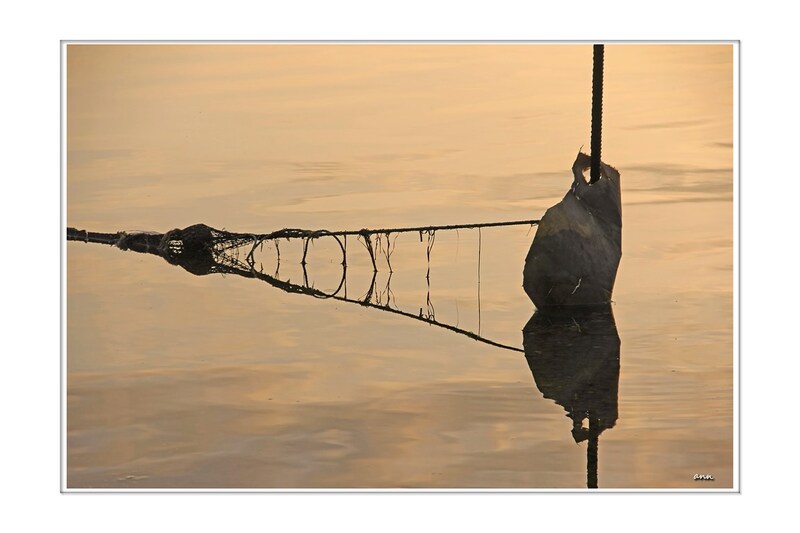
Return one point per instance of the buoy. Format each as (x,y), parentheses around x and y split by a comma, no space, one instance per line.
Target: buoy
(575,253)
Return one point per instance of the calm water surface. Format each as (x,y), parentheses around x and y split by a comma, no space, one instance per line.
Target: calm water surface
(176,380)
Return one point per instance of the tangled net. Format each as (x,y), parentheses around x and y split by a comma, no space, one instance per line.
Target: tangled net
(202,250)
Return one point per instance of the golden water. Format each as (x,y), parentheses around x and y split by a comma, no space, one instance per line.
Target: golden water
(175,380)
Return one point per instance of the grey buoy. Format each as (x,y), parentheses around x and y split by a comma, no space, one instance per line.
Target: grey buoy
(575,254)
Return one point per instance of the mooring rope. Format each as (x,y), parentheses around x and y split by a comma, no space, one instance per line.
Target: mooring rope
(293,233)
(597,111)
(222,263)
(201,249)
(227,238)
(207,237)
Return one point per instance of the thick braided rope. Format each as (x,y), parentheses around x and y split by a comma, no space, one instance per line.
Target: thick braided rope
(597,112)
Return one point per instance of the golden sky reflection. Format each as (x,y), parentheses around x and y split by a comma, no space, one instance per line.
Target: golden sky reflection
(216,381)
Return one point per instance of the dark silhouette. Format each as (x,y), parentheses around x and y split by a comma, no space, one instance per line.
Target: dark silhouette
(573,355)
(202,250)
(597,110)
(573,352)
(575,253)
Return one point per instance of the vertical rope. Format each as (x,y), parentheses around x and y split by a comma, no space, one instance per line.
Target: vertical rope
(591,452)
(479,281)
(597,111)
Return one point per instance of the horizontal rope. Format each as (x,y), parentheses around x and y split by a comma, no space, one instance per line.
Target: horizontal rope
(290,233)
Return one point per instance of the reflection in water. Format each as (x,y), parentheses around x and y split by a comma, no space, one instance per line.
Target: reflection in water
(573,353)
(256,137)
(574,357)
